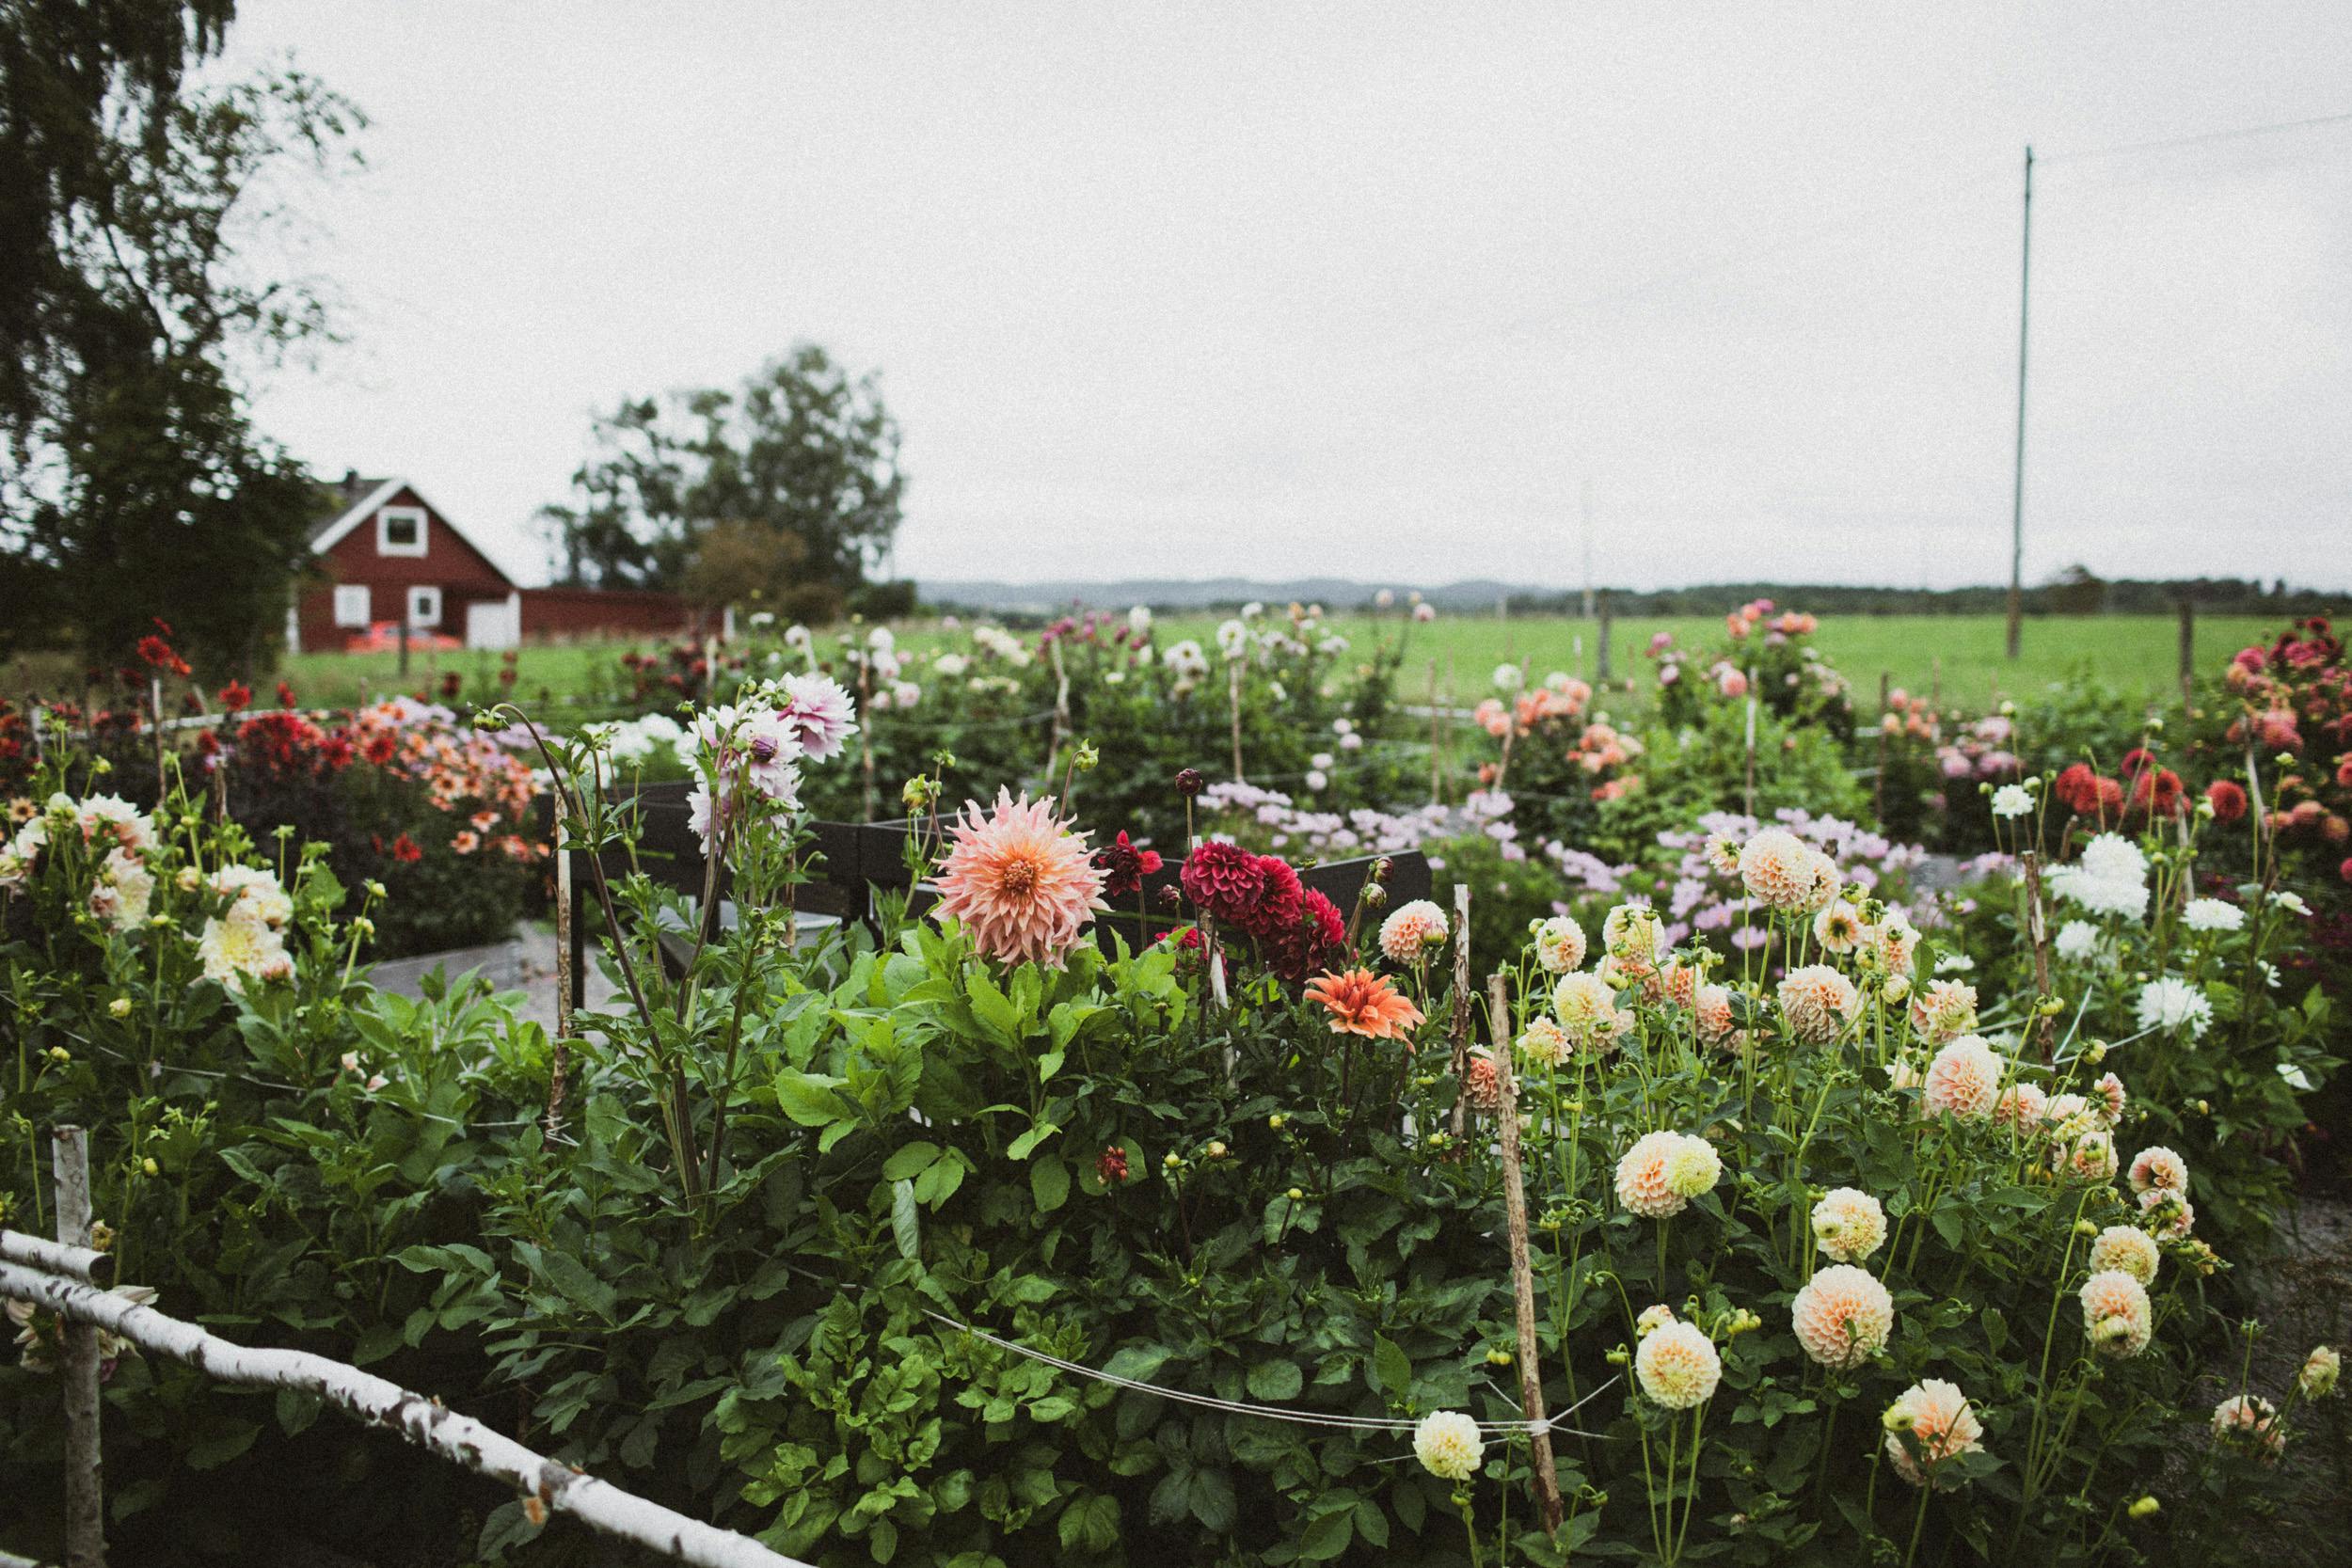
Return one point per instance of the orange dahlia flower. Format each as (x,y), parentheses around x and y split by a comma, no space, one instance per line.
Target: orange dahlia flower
(1362,1003)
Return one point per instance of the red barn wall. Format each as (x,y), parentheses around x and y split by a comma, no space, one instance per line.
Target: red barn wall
(578,613)
(449,563)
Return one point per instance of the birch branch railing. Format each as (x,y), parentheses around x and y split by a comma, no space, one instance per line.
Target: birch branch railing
(432,1426)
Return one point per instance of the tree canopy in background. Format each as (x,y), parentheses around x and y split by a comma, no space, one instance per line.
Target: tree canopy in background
(133,484)
(780,493)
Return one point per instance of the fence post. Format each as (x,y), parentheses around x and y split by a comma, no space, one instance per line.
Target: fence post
(1465,1016)
(1607,616)
(84,1485)
(2188,659)
(1878,786)
(1546,1474)
(403,643)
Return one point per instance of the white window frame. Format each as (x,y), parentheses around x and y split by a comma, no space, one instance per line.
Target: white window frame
(354,605)
(386,515)
(425,609)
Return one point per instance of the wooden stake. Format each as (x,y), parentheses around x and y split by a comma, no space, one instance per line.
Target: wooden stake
(155,688)
(85,1478)
(1522,1272)
(1061,709)
(2038,930)
(1878,788)
(1465,1004)
(561,1060)
(1436,756)
(2188,660)
(1232,671)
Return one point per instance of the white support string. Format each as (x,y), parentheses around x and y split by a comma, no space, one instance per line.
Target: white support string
(1270,1412)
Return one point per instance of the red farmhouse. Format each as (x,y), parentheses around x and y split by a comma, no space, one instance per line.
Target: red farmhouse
(386,554)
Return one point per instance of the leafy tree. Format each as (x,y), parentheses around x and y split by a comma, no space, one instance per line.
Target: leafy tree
(133,482)
(801,454)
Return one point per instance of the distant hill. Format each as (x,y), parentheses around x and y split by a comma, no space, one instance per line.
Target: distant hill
(2074,593)
(1333,594)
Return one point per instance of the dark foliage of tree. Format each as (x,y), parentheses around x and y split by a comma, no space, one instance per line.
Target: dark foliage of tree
(133,484)
(789,485)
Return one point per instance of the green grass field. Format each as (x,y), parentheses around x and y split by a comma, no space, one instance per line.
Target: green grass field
(1959,655)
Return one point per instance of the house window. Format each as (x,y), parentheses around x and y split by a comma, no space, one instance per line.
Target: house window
(351,604)
(400,530)
(425,609)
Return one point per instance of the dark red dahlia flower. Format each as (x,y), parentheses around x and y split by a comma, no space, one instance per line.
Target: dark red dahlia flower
(1126,866)
(1223,880)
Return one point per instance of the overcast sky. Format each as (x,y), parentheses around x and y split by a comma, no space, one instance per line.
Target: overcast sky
(1376,289)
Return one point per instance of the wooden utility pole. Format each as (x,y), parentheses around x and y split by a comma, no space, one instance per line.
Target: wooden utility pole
(2017,486)
(1605,619)
(2188,659)
(1588,550)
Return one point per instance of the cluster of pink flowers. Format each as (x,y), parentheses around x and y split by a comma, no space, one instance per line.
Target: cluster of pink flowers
(1707,896)
(1334,835)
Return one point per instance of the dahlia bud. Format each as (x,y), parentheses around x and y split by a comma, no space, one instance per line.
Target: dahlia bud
(100,765)
(59,1055)
(2145,1507)
(1374,894)
(1617,1357)
(1275,1121)
(1297,1195)
(1216,1152)
(2086,1227)
(188,880)
(1173,1160)
(1085,758)
(1380,869)
(102,1236)
(1898,1416)
(918,793)
(1188,782)
(1171,897)
(1498,1358)
(150,1167)
(119,1006)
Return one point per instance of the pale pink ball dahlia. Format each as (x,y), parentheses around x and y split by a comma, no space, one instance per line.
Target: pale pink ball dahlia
(1588,1012)
(2021,1108)
(1929,1423)
(1778,870)
(1963,1079)
(1849,1225)
(1678,1366)
(1559,944)
(1544,1043)
(1409,933)
(1946,1010)
(1482,1081)
(2116,1313)
(2251,1422)
(1842,1316)
(2127,1250)
(1023,885)
(1642,1183)
(2169,1210)
(2108,1092)
(1711,1006)
(1819,1004)
(2158,1169)
(2089,1157)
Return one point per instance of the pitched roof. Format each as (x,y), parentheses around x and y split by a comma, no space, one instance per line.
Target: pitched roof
(350,500)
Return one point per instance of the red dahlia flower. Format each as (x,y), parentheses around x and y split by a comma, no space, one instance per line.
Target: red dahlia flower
(1224,881)
(1124,866)
(2228,800)
(1279,900)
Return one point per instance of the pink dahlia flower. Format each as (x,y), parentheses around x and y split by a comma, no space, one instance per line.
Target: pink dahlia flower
(820,712)
(1224,882)
(1930,1424)
(1020,880)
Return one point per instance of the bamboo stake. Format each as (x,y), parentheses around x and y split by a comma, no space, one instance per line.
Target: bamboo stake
(1522,1272)
(426,1422)
(1463,1004)
(565,978)
(85,1478)
(1232,671)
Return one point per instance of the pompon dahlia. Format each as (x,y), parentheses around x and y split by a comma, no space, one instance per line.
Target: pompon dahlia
(1223,880)
(2157,1168)
(1544,1043)
(1842,1316)
(1678,1366)
(1449,1445)
(2173,1214)
(1559,944)
(1819,1004)
(2116,1313)
(1588,1012)
(1020,880)
(1849,1225)
(1929,1423)
(1281,899)
(1308,941)
(1362,1003)
(1946,1010)
(2131,1252)
(1409,934)
(2250,1423)
(1963,1079)
(1712,1007)
(2021,1108)
(1644,1184)
(1778,869)
(1482,1081)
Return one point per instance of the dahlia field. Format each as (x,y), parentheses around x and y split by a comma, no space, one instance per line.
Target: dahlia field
(1711,1169)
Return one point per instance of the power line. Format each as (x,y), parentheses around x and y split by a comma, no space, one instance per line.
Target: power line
(2198,138)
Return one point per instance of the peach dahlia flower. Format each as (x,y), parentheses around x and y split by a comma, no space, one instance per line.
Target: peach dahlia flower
(1842,1316)
(1023,885)
(1361,1002)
